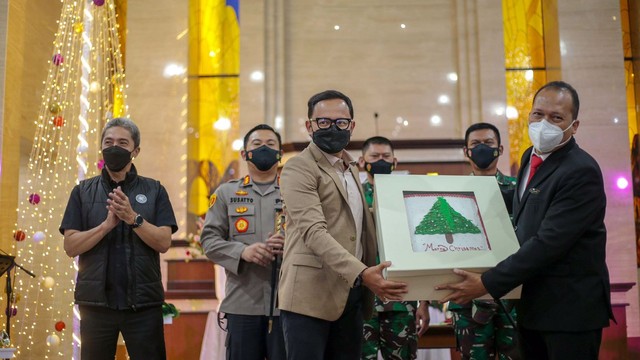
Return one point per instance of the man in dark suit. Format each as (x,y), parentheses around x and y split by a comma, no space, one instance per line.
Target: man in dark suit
(558,214)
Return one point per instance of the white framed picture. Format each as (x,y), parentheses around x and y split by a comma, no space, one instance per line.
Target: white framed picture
(429,225)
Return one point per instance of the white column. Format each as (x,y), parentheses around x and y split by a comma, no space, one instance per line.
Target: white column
(156,37)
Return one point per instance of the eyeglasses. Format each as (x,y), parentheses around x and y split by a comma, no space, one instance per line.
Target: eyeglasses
(325,123)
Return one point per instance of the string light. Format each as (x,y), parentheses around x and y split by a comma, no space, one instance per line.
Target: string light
(84,87)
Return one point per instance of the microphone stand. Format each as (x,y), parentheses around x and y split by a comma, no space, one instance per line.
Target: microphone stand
(9,291)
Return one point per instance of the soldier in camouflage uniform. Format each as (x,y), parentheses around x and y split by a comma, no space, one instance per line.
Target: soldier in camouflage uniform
(483,328)
(393,326)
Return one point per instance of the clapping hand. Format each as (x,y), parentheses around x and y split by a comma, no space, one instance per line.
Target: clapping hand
(118,203)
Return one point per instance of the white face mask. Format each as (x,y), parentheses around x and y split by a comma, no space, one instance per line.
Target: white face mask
(545,136)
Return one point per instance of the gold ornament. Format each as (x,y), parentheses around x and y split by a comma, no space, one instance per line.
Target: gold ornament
(53,340)
(54,108)
(47,282)
(94,87)
(78,27)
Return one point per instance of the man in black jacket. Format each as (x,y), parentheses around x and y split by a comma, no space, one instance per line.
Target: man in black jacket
(558,212)
(118,223)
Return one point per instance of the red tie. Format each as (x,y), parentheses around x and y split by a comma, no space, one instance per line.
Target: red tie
(535,163)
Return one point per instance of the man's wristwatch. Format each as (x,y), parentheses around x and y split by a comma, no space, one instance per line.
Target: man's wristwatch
(137,221)
(358,281)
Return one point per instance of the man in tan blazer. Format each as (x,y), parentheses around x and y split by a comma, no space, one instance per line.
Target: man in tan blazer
(330,252)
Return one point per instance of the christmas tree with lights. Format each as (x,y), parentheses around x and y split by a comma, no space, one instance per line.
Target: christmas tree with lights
(84,88)
(443,219)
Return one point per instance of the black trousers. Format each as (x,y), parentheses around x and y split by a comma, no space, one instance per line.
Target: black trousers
(142,330)
(546,345)
(309,338)
(248,338)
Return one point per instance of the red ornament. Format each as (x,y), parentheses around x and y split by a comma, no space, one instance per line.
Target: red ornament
(98,2)
(58,59)
(100,164)
(58,121)
(19,235)
(60,325)
(34,199)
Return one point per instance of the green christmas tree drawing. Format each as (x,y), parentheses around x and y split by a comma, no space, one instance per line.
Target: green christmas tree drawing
(443,219)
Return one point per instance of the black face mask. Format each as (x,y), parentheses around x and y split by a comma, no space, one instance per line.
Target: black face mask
(483,155)
(263,157)
(331,140)
(378,167)
(116,158)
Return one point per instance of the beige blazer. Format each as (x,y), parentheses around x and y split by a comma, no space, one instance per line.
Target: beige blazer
(319,267)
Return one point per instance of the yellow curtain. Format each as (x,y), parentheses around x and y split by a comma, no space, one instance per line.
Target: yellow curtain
(214,65)
(525,68)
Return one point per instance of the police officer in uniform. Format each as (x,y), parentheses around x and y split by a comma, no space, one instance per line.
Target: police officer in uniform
(239,235)
(482,327)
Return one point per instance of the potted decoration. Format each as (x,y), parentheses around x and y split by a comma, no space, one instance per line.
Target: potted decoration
(6,350)
(169,312)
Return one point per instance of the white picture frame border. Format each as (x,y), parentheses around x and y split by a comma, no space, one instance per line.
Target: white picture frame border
(422,271)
